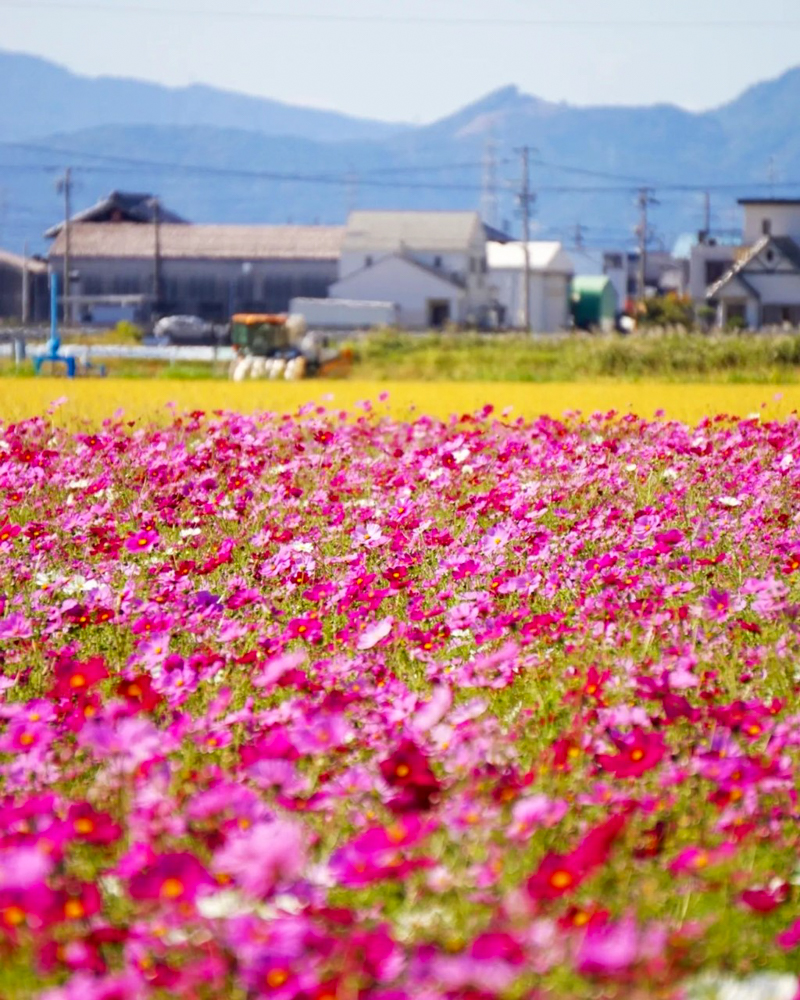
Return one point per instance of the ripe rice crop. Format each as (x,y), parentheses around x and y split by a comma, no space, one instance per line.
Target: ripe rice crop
(95,399)
(366,708)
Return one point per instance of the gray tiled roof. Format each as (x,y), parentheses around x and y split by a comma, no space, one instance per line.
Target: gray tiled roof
(784,244)
(132,206)
(134,240)
(393,231)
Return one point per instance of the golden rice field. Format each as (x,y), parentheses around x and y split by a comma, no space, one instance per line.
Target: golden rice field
(95,400)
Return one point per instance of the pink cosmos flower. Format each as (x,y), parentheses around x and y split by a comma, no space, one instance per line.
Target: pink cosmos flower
(790,938)
(23,867)
(609,950)
(15,626)
(141,541)
(263,857)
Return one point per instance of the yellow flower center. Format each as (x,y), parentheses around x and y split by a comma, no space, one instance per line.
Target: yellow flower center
(14,915)
(276,978)
(560,879)
(74,909)
(172,888)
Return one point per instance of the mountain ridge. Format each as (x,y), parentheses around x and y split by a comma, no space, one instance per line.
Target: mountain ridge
(588,161)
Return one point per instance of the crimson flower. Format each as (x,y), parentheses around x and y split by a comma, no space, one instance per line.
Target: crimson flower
(767,898)
(173,878)
(139,694)
(407,768)
(556,875)
(91,826)
(638,754)
(74,677)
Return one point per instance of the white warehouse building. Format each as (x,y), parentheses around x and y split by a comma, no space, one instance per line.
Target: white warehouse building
(551,271)
(431,265)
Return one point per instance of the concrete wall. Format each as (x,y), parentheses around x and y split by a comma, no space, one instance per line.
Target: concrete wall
(549,299)
(784,220)
(11,294)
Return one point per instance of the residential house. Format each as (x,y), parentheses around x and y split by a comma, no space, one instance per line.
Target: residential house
(24,294)
(710,258)
(130,270)
(550,273)
(432,265)
(761,287)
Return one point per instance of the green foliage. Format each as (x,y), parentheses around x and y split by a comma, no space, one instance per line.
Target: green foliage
(653,353)
(667,310)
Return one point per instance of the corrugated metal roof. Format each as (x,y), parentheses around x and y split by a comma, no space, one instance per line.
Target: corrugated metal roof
(543,255)
(393,231)
(16,261)
(134,240)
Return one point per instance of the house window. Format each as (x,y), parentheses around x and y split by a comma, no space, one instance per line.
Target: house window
(437,261)
(766,226)
(714,270)
(770,255)
(368,261)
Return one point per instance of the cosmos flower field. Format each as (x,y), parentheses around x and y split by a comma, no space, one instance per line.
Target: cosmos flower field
(347,707)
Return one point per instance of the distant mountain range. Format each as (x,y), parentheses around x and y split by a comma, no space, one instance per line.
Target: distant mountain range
(215,156)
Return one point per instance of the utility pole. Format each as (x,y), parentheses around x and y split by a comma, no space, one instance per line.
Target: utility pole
(578,237)
(156,256)
(645,200)
(526,199)
(25,304)
(707,214)
(65,187)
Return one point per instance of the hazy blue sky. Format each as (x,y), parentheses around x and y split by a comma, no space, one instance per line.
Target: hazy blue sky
(417,60)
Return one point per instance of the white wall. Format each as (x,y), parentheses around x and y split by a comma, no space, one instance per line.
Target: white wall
(785,220)
(468,267)
(556,302)
(396,280)
(776,289)
(549,302)
(701,255)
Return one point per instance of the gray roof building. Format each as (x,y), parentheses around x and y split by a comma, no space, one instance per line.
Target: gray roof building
(211,242)
(390,232)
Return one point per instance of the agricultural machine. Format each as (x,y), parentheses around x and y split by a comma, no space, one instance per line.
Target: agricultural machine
(279,346)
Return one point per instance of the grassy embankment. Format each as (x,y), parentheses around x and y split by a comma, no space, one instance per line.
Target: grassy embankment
(470,357)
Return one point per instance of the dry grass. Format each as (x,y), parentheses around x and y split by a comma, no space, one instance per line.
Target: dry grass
(95,400)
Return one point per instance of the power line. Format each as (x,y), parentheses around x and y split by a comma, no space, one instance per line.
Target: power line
(391,19)
(127,162)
